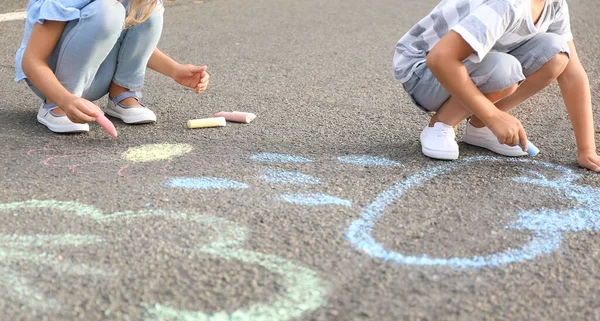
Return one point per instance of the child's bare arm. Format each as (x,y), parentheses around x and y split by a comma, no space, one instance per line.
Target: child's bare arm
(445,61)
(44,38)
(575,88)
(191,76)
(162,63)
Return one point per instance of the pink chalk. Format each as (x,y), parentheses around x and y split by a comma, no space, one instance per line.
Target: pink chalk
(107,125)
(236,116)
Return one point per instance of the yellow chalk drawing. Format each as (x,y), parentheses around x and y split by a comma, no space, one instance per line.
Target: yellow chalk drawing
(303,291)
(156,152)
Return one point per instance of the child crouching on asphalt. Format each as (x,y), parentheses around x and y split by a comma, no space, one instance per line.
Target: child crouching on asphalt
(74,51)
(482,58)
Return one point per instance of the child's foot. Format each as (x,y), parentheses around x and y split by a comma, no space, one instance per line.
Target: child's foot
(127,108)
(439,142)
(58,122)
(483,137)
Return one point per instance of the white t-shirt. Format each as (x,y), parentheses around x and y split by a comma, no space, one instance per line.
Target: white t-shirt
(486,25)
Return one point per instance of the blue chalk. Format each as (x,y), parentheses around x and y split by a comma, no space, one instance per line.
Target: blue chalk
(284,177)
(314,199)
(531,149)
(205,183)
(279,158)
(367,160)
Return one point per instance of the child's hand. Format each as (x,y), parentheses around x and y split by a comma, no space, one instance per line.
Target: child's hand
(589,160)
(507,129)
(191,76)
(80,110)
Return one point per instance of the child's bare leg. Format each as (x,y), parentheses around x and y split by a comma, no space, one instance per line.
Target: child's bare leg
(452,111)
(533,84)
(115,90)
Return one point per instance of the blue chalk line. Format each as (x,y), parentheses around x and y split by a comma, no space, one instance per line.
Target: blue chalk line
(366,160)
(279,158)
(314,199)
(284,177)
(205,183)
(547,225)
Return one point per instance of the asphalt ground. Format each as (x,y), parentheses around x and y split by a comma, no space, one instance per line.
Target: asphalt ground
(207,226)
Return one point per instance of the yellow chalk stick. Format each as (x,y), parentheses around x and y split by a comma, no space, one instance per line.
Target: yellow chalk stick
(206,122)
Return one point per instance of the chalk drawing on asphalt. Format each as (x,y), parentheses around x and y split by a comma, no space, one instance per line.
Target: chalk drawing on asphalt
(286,177)
(548,226)
(204,183)
(314,199)
(279,158)
(303,291)
(121,162)
(367,161)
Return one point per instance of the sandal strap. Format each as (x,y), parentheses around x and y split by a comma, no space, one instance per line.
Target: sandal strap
(122,96)
(49,106)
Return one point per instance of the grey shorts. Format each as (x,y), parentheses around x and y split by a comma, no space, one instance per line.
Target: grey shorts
(497,71)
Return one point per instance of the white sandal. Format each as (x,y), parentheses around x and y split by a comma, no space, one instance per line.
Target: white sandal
(59,124)
(129,114)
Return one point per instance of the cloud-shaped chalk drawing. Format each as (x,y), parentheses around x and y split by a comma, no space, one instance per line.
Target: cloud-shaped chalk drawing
(302,289)
(155,152)
(547,225)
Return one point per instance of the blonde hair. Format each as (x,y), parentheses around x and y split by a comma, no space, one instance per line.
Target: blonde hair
(139,11)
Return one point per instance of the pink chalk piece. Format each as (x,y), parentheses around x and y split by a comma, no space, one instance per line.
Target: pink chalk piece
(107,125)
(236,116)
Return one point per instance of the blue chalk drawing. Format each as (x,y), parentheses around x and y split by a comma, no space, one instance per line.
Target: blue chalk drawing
(284,177)
(547,226)
(367,160)
(279,158)
(205,183)
(314,199)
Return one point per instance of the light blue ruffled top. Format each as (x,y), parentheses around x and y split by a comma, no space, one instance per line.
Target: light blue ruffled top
(39,11)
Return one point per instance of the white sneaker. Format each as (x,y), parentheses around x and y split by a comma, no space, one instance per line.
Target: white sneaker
(59,124)
(439,142)
(129,115)
(484,138)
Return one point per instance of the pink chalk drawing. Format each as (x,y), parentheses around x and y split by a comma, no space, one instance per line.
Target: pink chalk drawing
(123,162)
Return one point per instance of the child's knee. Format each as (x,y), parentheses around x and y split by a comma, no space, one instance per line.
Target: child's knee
(500,74)
(508,90)
(550,53)
(557,64)
(106,18)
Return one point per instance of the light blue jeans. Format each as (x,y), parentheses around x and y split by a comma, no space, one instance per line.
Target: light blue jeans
(95,50)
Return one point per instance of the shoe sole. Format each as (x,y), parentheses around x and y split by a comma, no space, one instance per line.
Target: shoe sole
(482,143)
(61,129)
(133,120)
(437,154)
